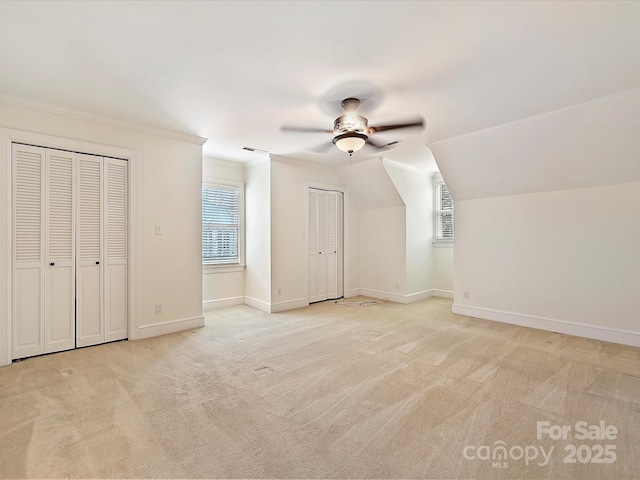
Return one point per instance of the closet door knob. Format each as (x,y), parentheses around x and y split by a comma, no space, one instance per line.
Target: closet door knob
(52,264)
(97,263)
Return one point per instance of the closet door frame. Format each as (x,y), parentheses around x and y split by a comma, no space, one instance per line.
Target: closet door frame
(7,138)
(345,234)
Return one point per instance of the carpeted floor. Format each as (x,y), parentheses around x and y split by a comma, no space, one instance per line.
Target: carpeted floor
(383,391)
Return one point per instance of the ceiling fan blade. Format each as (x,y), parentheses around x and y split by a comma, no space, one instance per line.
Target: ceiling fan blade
(288,128)
(322,148)
(381,146)
(418,122)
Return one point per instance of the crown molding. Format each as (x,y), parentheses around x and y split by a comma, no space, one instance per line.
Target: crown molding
(102,120)
(302,163)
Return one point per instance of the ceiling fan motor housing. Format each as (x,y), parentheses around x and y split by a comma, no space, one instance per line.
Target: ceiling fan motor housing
(351,122)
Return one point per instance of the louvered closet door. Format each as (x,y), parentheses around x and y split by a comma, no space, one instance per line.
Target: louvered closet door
(322,245)
(89,287)
(340,245)
(332,245)
(313,245)
(59,278)
(325,245)
(115,212)
(27,312)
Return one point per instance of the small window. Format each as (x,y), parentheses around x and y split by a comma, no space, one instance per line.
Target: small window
(443,214)
(221,225)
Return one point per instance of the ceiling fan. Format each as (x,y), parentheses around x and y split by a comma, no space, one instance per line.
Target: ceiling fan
(351,130)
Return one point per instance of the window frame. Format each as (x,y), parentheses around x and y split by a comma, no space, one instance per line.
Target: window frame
(226,185)
(442,241)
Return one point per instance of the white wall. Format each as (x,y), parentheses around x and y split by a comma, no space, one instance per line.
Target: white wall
(382,253)
(442,277)
(215,169)
(169,266)
(289,254)
(171,263)
(257,197)
(222,286)
(378,244)
(354,265)
(416,189)
(565,261)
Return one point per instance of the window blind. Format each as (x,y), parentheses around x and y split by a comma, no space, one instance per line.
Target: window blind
(220,225)
(443,213)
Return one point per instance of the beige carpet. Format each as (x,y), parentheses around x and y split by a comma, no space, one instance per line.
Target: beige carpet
(384,391)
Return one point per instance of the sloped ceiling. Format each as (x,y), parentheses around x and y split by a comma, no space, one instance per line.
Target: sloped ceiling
(370,185)
(595,143)
(234,72)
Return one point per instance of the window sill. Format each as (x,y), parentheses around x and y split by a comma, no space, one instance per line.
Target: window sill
(442,244)
(209,269)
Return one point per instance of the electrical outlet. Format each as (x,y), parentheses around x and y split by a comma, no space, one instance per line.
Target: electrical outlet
(465,295)
(159,229)
(159,309)
(279,291)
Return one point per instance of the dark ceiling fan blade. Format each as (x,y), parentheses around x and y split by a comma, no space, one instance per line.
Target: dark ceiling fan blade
(288,128)
(322,148)
(381,146)
(418,122)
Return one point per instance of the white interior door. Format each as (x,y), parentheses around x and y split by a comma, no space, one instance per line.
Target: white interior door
(325,245)
(115,211)
(59,278)
(89,286)
(27,307)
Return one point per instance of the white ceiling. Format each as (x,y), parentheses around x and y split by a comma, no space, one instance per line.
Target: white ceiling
(234,72)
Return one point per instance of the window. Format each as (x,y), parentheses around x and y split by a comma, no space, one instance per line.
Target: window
(222,225)
(443,213)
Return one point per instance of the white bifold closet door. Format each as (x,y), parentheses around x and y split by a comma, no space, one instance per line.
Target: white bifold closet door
(102,250)
(325,245)
(70,250)
(90,306)
(115,257)
(43,306)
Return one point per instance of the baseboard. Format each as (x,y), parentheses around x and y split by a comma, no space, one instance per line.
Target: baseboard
(417,296)
(289,305)
(172,326)
(442,293)
(379,294)
(222,302)
(259,304)
(400,298)
(605,334)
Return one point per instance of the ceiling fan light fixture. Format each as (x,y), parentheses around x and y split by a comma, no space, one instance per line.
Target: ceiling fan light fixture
(350,142)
